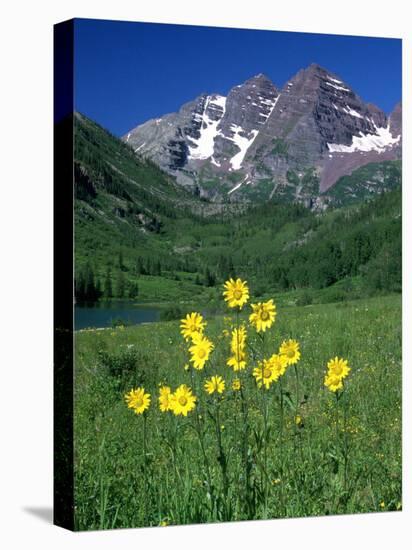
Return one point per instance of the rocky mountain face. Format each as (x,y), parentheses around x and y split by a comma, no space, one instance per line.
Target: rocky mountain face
(260,142)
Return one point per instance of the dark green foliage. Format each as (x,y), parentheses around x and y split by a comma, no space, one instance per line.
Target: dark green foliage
(171,313)
(108,291)
(120,261)
(125,365)
(120,285)
(280,147)
(292,177)
(344,244)
(83,186)
(86,290)
(133,290)
(304,299)
(384,272)
(210,279)
(365,182)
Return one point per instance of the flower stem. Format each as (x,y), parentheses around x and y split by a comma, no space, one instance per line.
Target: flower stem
(282,481)
(145,465)
(200,435)
(265,449)
(222,462)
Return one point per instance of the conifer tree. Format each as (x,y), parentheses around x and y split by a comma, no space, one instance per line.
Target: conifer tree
(108,291)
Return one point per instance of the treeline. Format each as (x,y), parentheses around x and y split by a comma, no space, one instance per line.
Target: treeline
(324,262)
(361,241)
(365,241)
(89,288)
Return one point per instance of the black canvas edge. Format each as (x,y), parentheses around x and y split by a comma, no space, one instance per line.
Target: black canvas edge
(63,512)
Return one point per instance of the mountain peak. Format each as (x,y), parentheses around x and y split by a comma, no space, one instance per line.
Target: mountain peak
(315,67)
(317,70)
(260,134)
(260,78)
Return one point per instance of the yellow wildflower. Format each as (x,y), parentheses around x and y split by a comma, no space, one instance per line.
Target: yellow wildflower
(264,374)
(338,367)
(193,324)
(279,364)
(200,351)
(263,315)
(215,384)
(164,399)
(182,400)
(237,361)
(238,341)
(333,382)
(236,293)
(137,400)
(290,349)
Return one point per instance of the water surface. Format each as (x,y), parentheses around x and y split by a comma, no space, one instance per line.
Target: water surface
(104,314)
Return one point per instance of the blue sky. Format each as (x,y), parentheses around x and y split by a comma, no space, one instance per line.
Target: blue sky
(127,73)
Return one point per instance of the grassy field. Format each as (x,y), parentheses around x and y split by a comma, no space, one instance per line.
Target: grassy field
(316,456)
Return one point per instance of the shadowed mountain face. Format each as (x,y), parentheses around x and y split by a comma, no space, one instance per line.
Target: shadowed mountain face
(260,142)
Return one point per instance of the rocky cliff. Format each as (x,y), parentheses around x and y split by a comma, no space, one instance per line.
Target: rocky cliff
(260,142)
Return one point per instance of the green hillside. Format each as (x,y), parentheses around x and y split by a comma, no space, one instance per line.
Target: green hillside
(139,235)
(366,182)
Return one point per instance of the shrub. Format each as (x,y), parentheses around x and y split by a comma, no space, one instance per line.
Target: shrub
(333,295)
(171,313)
(304,299)
(126,365)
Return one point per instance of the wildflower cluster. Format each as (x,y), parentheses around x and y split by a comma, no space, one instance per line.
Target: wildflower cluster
(248,338)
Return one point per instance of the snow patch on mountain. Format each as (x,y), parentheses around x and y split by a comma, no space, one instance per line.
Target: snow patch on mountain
(367,142)
(337,87)
(243,143)
(335,80)
(352,112)
(245,180)
(140,147)
(274,105)
(204,146)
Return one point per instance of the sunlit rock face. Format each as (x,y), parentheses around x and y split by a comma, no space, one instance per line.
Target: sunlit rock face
(259,142)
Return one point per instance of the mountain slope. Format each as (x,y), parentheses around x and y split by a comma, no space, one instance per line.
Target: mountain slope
(136,228)
(241,147)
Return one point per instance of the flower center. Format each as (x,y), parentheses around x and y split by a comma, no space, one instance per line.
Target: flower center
(290,353)
(201,353)
(267,373)
(338,369)
(264,315)
(237,294)
(139,402)
(182,400)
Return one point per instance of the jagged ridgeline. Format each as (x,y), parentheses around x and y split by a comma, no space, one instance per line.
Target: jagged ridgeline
(261,142)
(139,234)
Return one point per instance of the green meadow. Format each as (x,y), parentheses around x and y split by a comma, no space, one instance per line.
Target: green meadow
(316,455)
(295,450)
